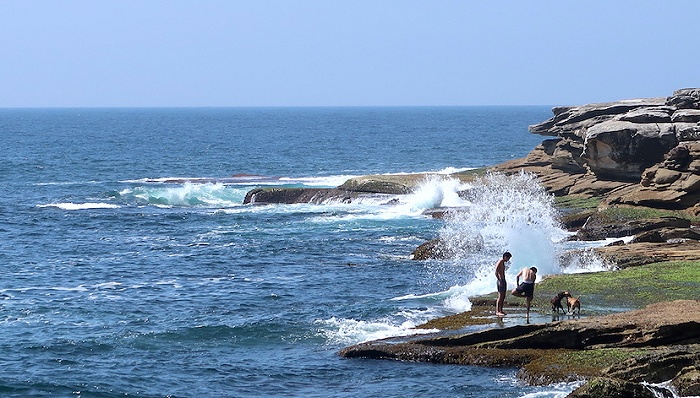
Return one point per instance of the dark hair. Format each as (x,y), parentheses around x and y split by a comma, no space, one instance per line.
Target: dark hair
(533,269)
(507,254)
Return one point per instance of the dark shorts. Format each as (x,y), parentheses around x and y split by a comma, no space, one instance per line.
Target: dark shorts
(501,285)
(527,288)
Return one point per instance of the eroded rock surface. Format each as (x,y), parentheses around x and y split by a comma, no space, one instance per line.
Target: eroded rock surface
(638,152)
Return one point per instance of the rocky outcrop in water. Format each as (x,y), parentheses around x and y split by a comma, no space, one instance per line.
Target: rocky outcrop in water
(298,195)
(350,191)
(639,152)
(655,344)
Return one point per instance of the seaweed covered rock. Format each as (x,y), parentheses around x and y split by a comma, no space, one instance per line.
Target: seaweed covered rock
(433,249)
(652,344)
(606,387)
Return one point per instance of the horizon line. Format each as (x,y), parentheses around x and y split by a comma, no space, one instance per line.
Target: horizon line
(268,106)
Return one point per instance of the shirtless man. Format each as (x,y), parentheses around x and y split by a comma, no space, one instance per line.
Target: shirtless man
(527,287)
(501,285)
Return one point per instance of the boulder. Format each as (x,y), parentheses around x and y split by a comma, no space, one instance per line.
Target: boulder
(666,234)
(607,387)
(688,132)
(656,366)
(621,150)
(686,115)
(433,249)
(686,98)
(575,120)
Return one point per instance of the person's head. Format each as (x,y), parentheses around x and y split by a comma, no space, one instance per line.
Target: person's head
(533,269)
(507,256)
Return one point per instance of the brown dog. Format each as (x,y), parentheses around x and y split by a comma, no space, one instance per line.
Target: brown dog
(556,301)
(573,303)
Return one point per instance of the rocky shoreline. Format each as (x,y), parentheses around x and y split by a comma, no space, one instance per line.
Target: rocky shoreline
(657,343)
(635,164)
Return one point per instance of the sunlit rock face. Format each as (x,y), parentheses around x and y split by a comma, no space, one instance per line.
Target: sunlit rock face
(639,152)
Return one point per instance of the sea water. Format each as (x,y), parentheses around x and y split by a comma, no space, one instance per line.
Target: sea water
(130,266)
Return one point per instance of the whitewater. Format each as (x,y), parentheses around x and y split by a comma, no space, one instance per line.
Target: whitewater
(132,266)
(494,214)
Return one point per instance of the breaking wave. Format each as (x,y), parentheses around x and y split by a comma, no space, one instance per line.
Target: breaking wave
(499,213)
(216,195)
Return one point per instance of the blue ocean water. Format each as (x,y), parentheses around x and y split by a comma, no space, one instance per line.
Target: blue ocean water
(131,268)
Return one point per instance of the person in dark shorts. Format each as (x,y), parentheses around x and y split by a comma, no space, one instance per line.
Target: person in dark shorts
(527,287)
(501,285)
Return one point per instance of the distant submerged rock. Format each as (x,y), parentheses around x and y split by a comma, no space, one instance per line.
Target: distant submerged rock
(638,152)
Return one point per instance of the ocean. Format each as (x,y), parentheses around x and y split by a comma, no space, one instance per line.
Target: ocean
(130,266)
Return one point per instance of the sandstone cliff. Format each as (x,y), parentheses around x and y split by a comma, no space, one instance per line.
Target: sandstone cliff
(637,152)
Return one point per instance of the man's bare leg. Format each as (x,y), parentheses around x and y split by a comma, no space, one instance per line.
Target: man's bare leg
(499,303)
(528,301)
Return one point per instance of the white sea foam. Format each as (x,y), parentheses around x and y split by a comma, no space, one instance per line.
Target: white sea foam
(452,170)
(329,181)
(454,299)
(248,180)
(500,213)
(434,192)
(81,206)
(79,288)
(110,285)
(187,195)
(506,213)
(556,390)
(351,331)
(437,192)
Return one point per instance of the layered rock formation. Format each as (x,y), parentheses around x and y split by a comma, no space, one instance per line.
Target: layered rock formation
(637,152)
(653,345)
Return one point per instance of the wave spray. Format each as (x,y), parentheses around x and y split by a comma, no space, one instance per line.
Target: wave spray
(503,213)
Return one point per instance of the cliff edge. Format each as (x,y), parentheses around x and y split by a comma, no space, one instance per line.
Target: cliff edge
(643,152)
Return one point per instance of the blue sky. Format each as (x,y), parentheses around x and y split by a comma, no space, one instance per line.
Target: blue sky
(343,53)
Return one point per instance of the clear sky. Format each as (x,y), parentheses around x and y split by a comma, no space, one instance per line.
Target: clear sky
(135,53)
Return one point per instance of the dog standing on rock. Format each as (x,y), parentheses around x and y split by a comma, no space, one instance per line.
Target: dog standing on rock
(573,304)
(556,302)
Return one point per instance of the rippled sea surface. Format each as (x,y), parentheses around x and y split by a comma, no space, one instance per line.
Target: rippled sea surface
(130,266)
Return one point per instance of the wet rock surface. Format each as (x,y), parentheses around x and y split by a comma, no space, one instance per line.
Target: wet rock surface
(657,343)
